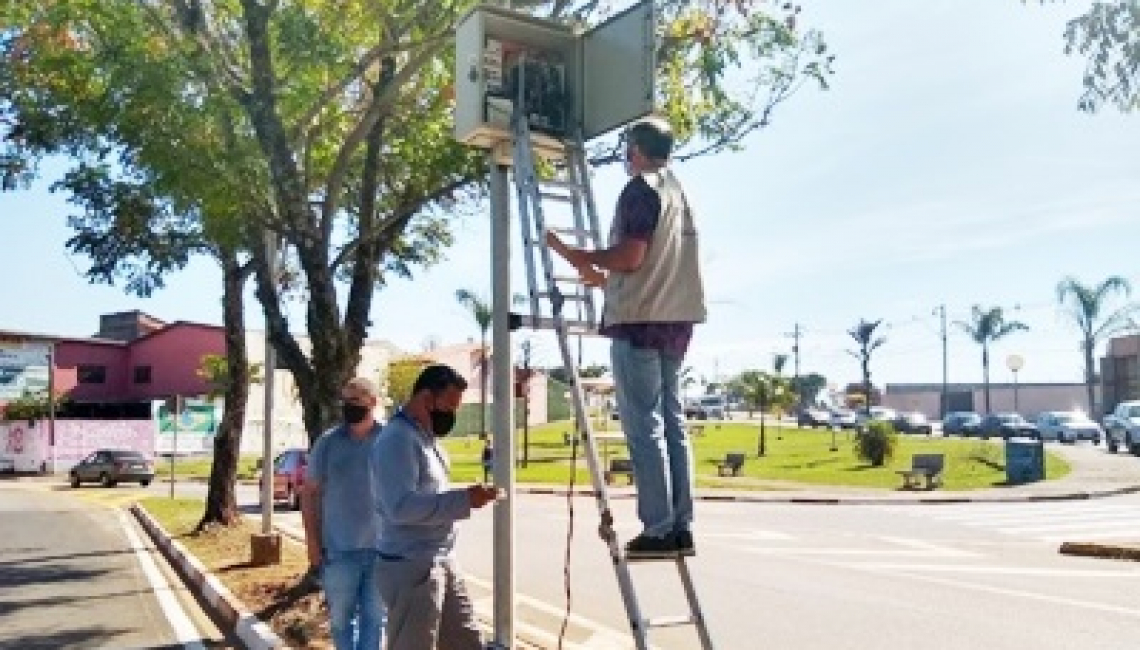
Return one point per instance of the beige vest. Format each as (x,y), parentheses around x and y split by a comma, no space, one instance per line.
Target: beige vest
(667,288)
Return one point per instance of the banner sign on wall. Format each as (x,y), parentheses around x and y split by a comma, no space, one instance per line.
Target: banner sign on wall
(23,368)
(194,427)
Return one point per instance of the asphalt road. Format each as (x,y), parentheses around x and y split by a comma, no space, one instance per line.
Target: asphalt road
(831,577)
(77,574)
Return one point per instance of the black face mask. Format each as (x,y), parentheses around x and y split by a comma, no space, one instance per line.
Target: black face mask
(442,422)
(354,413)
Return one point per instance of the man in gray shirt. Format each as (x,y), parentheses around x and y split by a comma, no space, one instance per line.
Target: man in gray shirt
(428,604)
(338,508)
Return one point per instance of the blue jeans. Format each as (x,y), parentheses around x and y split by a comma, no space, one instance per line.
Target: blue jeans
(356,613)
(647,383)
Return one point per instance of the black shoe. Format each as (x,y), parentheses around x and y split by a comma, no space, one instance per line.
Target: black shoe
(645,546)
(684,540)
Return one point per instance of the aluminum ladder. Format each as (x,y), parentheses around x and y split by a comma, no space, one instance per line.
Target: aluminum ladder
(548,301)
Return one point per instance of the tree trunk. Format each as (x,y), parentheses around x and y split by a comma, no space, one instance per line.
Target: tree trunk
(986,375)
(483,385)
(867,381)
(1090,378)
(762,449)
(221,502)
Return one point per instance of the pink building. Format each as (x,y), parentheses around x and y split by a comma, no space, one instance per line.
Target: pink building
(133,359)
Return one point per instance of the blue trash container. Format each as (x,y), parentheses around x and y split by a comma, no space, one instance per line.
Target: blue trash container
(1024,460)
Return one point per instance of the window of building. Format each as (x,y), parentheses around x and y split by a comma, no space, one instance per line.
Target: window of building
(92,374)
(142,374)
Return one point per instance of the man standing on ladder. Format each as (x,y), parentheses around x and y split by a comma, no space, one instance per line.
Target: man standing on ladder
(653,297)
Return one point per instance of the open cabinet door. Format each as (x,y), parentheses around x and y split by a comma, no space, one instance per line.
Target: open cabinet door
(618,70)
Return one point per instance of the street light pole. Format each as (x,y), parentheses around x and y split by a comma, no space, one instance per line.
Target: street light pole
(1015,363)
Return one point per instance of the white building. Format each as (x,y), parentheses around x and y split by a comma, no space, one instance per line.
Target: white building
(288,424)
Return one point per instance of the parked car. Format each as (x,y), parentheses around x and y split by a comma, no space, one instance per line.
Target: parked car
(1068,427)
(1007,425)
(814,418)
(109,467)
(881,413)
(961,423)
(708,407)
(843,419)
(1122,427)
(289,476)
(7,465)
(912,422)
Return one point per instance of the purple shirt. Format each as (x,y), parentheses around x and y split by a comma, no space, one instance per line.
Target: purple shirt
(638,209)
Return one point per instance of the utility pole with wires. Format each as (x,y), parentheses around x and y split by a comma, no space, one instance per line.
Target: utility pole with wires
(941,311)
(796,334)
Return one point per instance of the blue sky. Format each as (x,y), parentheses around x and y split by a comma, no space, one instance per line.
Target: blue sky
(947,165)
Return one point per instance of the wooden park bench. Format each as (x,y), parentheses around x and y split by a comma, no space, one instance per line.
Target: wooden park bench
(619,466)
(731,465)
(923,467)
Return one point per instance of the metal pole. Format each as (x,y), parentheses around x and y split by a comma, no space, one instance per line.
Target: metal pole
(1015,391)
(504,430)
(945,366)
(267,421)
(51,404)
(174,448)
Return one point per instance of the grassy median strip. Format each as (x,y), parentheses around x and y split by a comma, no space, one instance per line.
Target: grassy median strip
(792,456)
(275,594)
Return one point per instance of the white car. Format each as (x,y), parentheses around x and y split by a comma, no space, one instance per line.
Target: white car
(1068,427)
(880,413)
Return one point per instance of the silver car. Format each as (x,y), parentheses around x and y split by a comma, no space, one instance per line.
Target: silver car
(1068,427)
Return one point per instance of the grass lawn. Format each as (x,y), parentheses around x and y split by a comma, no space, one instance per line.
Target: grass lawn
(794,455)
(199,467)
(274,593)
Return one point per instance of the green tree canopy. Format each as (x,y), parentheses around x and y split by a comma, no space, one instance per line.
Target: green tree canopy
(327,124)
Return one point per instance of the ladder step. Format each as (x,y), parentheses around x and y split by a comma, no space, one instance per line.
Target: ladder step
(573,327)
(570,232)
(561,198)
(670,621)
(562,185)
(566,297)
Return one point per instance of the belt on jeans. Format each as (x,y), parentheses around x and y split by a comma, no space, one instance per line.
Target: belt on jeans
(391,558)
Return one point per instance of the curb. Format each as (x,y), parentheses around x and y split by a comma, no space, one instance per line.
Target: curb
(886,500)
(1104,551)
(227,609)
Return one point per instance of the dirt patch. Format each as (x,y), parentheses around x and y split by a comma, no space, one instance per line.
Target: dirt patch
(281,595)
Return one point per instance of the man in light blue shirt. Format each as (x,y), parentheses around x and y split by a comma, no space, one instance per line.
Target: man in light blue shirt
(338,508)
(428,604)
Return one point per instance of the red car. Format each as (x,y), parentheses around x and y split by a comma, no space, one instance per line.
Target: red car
(289,476)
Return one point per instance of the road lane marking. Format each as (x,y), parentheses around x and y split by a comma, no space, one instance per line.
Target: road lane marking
(599,636)
(1039,572)
(1002,591)
(184,631)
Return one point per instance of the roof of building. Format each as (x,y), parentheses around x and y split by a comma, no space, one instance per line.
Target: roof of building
(17,335)
(937,387)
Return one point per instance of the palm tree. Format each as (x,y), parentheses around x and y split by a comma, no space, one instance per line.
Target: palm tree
(762,390)
(864,335)
(1088,306)
(481,310)
(778,363)
(987,327)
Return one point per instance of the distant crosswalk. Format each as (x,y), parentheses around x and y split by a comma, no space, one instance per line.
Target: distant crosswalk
(1056,521)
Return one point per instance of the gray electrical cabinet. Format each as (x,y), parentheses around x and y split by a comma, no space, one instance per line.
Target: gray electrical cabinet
(591,81)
